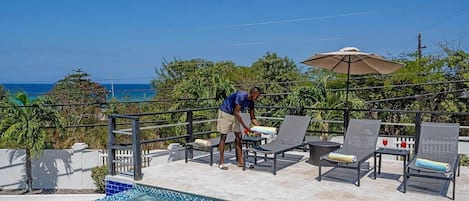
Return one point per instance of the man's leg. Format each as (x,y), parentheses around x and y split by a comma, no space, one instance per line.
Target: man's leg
(221,148)
(239,149)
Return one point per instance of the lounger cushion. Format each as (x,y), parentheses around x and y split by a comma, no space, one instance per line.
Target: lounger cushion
(265,130)
(202,142)
(432,165)
(342,157)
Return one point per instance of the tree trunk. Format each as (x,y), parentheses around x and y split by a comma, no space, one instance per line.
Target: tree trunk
(29,176)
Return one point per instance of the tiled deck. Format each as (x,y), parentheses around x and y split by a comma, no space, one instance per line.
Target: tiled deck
(296,180)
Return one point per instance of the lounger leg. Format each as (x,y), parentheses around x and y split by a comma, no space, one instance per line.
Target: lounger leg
(358,173)
(185,153)
(275,165)
(379,165)
(255,157)
(454,187)
(211,156)
(374,166)
(245,156)
(405,179)
(320,164)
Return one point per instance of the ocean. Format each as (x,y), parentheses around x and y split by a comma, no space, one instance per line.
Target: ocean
(122,92)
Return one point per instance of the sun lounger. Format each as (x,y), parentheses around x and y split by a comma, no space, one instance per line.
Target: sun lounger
(437,155)
(360,144)
(290,136)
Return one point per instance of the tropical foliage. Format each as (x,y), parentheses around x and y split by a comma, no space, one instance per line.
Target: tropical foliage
(431,83)
(79,101)
(23,125)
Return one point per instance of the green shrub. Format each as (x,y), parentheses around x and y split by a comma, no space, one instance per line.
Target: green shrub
(464,161)
(98,174)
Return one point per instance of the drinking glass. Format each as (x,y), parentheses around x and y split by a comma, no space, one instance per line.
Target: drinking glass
(403,144)
(385,142)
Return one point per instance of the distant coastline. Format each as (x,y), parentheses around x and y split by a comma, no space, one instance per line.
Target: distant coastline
(122,92)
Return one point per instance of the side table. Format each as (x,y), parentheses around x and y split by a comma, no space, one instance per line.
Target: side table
(390,151)
(252,140)
(320,148)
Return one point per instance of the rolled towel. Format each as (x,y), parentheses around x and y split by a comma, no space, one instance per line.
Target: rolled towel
(265,130)
(342,157)
(433,165)
(202,142)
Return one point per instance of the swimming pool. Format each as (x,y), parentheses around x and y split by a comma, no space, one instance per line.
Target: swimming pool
(146,193)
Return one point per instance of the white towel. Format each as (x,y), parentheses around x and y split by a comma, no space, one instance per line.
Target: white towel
(265,130)
(202,142)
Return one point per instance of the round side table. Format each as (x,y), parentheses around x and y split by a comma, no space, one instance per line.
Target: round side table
(320,148)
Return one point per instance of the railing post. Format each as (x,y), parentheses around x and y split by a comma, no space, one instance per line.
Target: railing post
(302,111)
(189,128)
(346,120)
(418,122)
(111,153)
(137,152)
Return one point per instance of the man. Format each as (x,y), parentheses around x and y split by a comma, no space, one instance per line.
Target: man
(229,120)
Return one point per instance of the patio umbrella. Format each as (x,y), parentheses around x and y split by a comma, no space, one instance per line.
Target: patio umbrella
(351,61)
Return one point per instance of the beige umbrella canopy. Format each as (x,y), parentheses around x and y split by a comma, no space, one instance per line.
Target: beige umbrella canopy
(351,61)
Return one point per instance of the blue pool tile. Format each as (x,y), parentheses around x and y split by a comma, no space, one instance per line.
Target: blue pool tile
(139,192)
(113,187)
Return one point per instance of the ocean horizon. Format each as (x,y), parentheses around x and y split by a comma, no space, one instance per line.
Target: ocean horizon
(120,91)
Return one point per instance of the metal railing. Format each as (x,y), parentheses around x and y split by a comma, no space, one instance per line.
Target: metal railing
(135,130)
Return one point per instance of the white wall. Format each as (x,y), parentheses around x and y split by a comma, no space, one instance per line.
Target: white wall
(54,169)
(463,147)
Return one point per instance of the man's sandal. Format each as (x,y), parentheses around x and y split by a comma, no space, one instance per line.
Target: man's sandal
(223,167)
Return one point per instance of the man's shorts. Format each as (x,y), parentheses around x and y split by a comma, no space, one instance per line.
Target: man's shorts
(227,123)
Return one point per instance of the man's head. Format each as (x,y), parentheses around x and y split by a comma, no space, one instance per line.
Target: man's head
(254,93)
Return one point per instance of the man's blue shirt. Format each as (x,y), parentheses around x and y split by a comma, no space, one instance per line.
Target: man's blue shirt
(238,98)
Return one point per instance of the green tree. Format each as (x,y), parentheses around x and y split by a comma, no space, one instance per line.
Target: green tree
(81,103)
(327,104)
(174,72)
(3,93)
(205,87)
(430,83)
(24,125)
(276,75)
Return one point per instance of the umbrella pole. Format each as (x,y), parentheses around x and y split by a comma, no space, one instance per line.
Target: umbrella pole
(346,112)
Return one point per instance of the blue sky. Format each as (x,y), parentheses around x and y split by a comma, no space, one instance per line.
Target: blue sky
(124,41)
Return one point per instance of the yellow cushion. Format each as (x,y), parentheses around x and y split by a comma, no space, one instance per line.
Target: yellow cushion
(342,157)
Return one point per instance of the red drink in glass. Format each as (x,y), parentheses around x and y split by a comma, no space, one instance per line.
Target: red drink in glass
(385,142)
(403,144)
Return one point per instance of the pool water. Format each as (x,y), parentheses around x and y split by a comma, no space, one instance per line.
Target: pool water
(146,193)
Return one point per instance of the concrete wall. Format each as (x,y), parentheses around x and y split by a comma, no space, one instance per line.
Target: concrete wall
(54,169)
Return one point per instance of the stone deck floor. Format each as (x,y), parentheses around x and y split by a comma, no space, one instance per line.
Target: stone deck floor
(297,180)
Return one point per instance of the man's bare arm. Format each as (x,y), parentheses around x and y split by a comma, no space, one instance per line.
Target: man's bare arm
(253,118)
(237,109)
